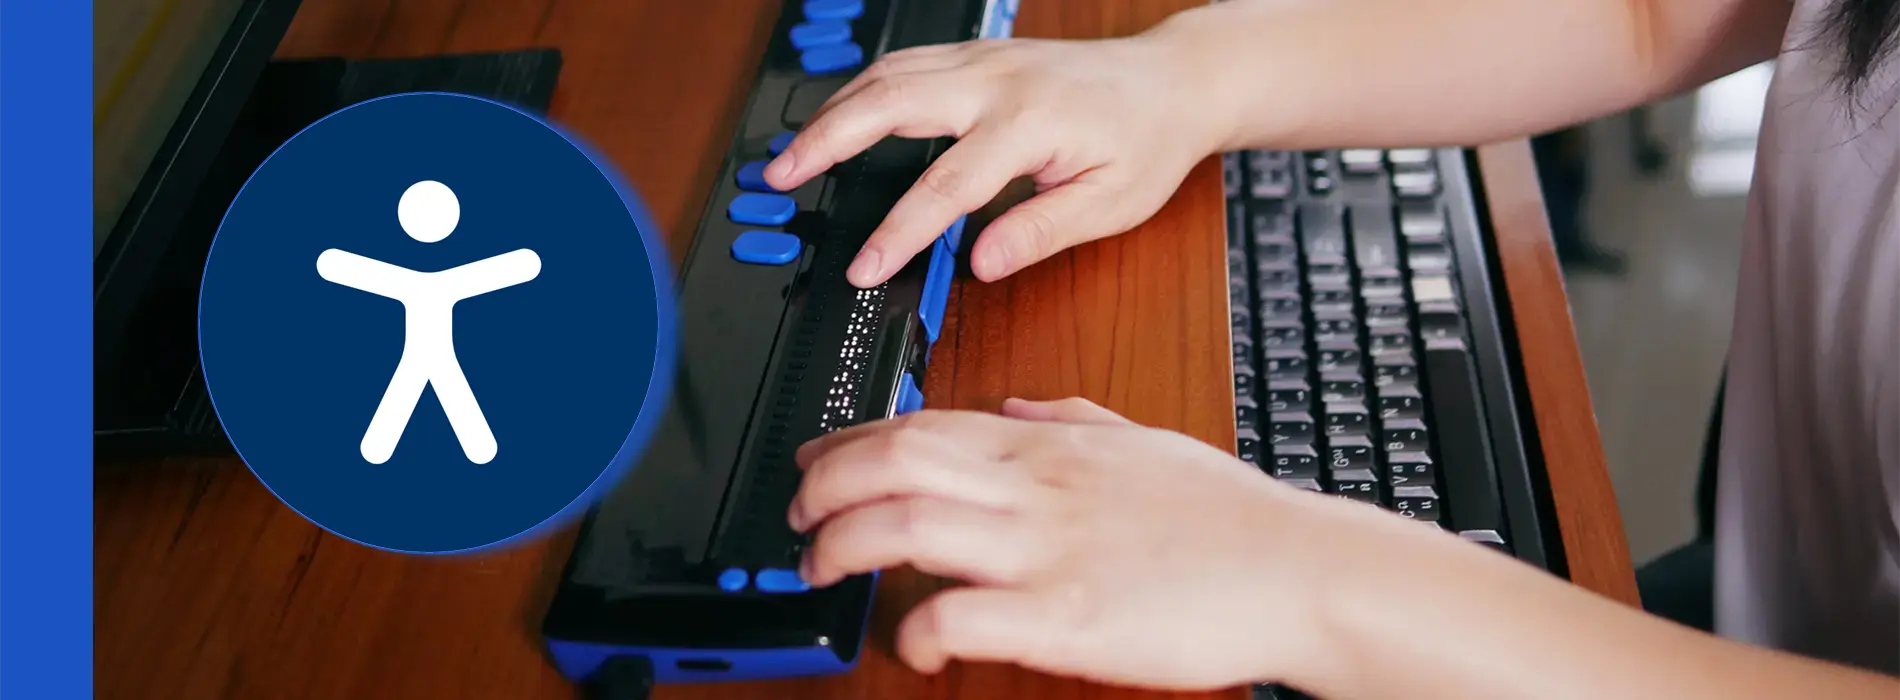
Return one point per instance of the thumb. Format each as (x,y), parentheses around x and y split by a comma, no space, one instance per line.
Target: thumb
(1074,409)
(1070,214)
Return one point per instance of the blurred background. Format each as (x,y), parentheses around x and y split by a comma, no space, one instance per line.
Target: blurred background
(1648,209)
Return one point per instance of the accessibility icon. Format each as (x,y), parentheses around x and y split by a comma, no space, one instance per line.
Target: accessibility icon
(433,323)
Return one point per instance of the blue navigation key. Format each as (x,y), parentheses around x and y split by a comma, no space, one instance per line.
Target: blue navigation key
(761,209)
(909,398)
(732,580)
(831,59)
(833,9)
(766,247)
(751,177)
(780,581)
(820,33)
(779,144)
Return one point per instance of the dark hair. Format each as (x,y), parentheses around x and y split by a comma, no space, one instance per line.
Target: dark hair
(1862,33)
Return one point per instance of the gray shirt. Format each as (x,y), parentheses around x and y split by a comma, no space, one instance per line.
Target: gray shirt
(1808,507)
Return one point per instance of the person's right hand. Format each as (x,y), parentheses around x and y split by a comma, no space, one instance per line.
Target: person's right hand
(1107,129)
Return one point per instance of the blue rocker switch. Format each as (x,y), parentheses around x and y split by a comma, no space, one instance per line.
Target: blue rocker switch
(909,398)
(816,10)
(766,247)
(754,209)
(751,177)
(733,580)
(831,59)
(820,33)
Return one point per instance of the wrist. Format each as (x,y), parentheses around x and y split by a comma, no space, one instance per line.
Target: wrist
(1202,86)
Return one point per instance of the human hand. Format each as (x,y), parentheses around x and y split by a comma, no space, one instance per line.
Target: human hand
(1092,546)
(1107,129)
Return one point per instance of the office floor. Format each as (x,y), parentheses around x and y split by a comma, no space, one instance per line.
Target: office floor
(1655,338)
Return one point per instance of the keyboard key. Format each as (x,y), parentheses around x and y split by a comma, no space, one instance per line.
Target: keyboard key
(766,247)
(751,177)
(1280,305)
(1308,484)
(1338,359)
(1416,502)
(1391,340)
(1284,364)
(1421,220)
(1339,326)
(1322,233)
(1355,484)
(1291,429)
(1278,280)
(1247,448)
(1347,420)
(1362,161)
(1335,390)
(1293,462)
(833,9)
(1332,300)
(1441,325)
(779,143)
(1428,256)
(1401,403)
(1400,157)
(1427,289)
(1282,333)
(1404,436)
(820,33)
(1246,417)
(1270,221)
(754,209)
(1487,538)
(1349,454)
(1410,469)
(1375,243)
(1285,396)
(1387,312)
(1243,384)
(1269,174)
(831,59)
(1394,370)
(1329,275)
(1468,473)
(1230,174)
(1415,184)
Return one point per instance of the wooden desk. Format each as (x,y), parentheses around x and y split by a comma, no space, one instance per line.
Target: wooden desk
(208,587)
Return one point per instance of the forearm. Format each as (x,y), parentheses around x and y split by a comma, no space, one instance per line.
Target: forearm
(1392,73)
(1437,619)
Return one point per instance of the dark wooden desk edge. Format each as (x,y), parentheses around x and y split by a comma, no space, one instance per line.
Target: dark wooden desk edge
(1596,552)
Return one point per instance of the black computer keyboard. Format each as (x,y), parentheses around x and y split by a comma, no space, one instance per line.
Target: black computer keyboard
(1370,358)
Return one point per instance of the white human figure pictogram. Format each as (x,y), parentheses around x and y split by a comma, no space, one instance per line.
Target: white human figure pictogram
(428,212)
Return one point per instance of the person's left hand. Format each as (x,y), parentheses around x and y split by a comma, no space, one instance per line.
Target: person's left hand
(1093,546)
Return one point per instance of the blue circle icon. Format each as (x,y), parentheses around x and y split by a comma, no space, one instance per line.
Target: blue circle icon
(433,323)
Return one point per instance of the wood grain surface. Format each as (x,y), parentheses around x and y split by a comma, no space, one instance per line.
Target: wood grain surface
(208,587)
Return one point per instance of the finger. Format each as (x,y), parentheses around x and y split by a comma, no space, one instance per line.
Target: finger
(1070,410)
(931,58)
(938,537)
(925,106)
(903,464)
(962,180)
(1064,216)
(977,624)
(984,433)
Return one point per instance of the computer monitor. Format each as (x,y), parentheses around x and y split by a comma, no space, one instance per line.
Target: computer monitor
(171,78)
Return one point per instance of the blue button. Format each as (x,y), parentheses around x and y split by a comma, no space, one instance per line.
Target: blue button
(781,581)
(762,209)
(779,144)
(820,33)
(751,177)
(833,9)
(909,398)
(732,580)
(766,247)
(831,59)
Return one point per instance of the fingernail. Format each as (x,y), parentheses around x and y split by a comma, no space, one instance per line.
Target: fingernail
(864,270)
(993,260)
(796,519)
(780,167)
(804,567)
